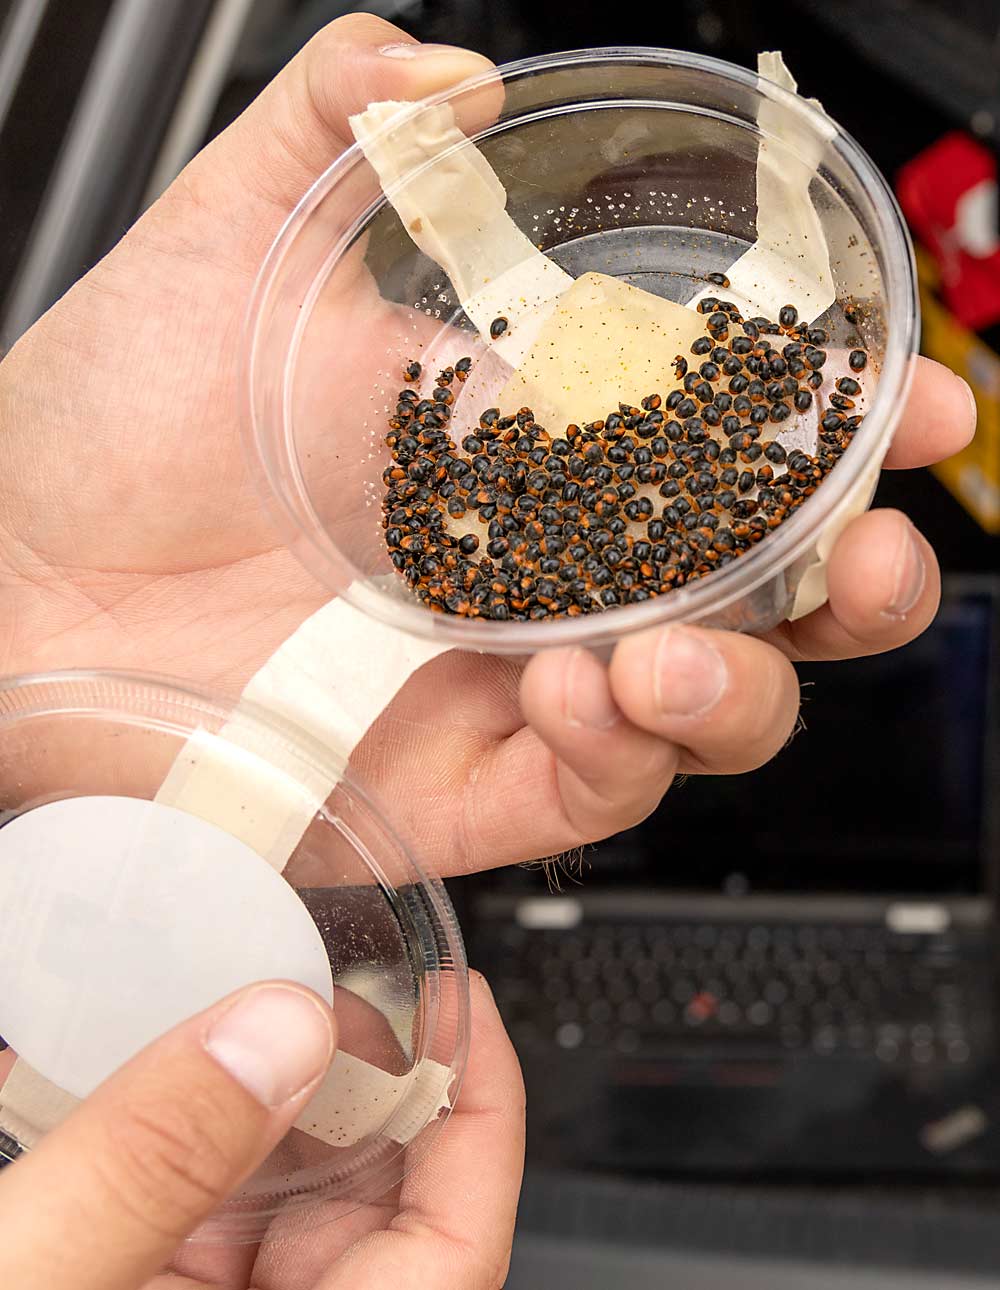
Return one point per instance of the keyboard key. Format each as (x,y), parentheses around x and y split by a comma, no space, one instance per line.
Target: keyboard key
(627,1041)
(682,991)
(826,1040)
(703,1005)
(730,1013)
(649,991)
(630,1012)
(664,1013)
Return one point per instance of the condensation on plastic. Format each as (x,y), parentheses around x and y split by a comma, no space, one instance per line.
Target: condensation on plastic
(642,164)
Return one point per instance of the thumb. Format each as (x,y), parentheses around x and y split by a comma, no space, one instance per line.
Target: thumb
(104,1200)
(254,173)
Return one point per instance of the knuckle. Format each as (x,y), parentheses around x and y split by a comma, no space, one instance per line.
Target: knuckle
(351,27)
(328,61)
(485,1269)
(166,1166)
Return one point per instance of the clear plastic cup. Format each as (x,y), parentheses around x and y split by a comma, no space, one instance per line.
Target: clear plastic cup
(639,163)
(399,981)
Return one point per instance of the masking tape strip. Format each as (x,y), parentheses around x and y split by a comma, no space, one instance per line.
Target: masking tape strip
(811,591)
(332,677)
(790,261)
(790,233)
(32,1105)
(453,206)
(789,230)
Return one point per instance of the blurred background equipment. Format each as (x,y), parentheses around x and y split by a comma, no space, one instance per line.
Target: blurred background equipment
(760,1031)
(789,973)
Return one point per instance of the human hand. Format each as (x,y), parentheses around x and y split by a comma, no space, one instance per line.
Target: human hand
(133,537)
(105,1201)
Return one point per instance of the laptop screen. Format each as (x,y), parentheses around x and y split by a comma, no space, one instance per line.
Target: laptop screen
(883,791)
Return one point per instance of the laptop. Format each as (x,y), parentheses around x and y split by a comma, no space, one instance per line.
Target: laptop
(790,972)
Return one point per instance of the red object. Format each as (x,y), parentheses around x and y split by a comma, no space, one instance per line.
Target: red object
(948,194)
(703,1006)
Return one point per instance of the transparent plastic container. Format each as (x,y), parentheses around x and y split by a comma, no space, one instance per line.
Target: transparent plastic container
(387,930)
(639,163)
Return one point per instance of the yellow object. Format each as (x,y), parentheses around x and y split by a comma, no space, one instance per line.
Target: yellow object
(606,341)
(973,475)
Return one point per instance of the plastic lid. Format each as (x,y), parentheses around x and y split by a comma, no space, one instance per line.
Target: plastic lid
(158,849)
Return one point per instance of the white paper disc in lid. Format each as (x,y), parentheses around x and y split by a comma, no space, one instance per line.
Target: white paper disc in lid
(131,807)
(131,917)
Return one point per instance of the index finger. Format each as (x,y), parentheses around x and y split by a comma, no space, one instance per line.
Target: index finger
(940,418)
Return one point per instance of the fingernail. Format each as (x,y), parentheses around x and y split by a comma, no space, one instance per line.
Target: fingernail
(414,49)
(689,675)
(275,1040)
(587,694)
(482,983)
(910,573)
(972,401)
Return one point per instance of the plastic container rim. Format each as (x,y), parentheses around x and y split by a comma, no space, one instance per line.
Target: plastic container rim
(97,693)
(698,601)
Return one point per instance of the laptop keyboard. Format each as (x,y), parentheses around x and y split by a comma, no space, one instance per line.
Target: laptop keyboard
(651,989)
